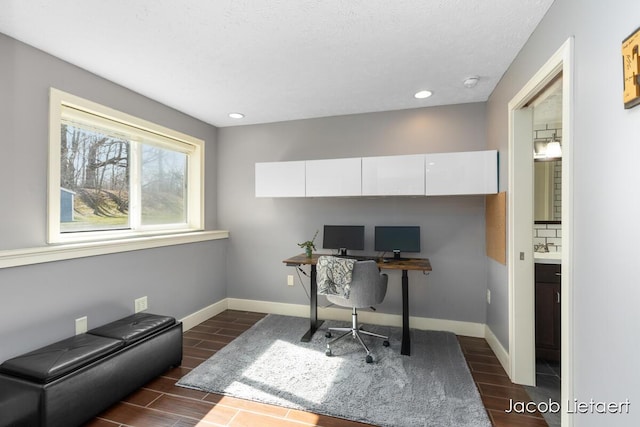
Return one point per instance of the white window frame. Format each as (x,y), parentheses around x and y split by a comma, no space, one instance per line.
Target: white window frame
(58,100)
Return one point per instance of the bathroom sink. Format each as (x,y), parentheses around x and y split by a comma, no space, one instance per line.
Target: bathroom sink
(548,257)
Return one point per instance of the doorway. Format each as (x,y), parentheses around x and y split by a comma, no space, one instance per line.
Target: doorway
(522,366)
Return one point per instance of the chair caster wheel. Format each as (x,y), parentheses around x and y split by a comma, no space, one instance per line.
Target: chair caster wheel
(385,343)
(327,335)
(328,352)
(368,359)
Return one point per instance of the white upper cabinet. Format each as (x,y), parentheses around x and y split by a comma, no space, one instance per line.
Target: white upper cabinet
(441,174)
(334,177)
(393,175)
(470,172)
(280,179)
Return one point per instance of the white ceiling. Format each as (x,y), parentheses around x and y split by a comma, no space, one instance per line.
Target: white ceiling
(277,60)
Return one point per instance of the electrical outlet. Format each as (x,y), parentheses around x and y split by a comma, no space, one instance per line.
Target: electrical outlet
(81,325)
(488,296)
(140,304)
(290,280)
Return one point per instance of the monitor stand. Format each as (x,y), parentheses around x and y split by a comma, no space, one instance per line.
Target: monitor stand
(396,254)
(343,251)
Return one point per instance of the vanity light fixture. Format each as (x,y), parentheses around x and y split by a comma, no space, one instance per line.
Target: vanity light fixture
(553,150)
(549,150)
(423,94)
(236,115)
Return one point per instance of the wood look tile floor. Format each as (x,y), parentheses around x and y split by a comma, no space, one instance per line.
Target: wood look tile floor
(161,403)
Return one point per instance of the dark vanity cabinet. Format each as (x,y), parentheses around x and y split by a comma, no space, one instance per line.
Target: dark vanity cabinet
(547,277)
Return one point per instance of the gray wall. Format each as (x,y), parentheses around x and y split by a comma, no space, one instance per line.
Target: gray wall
(38,304)
(606,197)
(264,231)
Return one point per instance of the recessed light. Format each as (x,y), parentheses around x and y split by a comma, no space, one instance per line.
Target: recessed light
(423,94)
(470,82)
(236,115)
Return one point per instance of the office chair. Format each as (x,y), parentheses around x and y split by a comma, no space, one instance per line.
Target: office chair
(368,288)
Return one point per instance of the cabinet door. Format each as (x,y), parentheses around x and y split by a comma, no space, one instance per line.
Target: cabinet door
(547,311)
(547,302)
(334,177)
(393,175)
(468,172)
(280,179)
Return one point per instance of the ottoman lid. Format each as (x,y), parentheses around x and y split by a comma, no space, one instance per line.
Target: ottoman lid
(56,360)
(135,327)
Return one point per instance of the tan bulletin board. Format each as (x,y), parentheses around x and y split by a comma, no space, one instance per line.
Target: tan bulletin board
(496,225)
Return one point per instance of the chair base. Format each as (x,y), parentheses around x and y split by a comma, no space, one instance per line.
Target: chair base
(355,331)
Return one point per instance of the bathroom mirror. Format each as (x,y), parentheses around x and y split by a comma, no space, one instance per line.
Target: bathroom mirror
(547,145)
(547,190)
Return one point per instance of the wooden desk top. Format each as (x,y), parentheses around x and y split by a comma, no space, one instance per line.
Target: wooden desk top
(418,264)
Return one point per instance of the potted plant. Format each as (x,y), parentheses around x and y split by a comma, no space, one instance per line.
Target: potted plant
(309,246)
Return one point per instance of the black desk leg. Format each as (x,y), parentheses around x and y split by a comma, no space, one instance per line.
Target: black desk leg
(406,338)
(314,324)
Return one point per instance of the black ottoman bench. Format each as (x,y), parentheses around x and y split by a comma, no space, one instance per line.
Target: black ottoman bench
(71,381)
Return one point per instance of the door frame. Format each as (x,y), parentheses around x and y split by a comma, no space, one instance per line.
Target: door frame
(521,304)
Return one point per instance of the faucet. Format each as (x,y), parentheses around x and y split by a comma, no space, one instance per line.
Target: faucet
(541,247)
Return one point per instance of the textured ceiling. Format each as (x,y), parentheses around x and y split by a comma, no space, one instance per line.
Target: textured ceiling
(277,60)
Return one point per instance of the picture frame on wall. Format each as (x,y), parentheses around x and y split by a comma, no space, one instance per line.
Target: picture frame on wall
(631,69)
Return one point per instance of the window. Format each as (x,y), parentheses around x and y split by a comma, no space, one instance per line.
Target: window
(113,175)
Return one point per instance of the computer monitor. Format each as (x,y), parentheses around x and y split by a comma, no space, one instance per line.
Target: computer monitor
(397,239)
(343,237)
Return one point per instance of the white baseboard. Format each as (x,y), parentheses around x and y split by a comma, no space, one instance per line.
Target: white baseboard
(299,310)
(206,313)
(498,349)
(269,307)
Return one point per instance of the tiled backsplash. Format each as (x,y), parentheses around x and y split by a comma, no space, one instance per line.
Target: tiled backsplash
(547,131)
(549,234)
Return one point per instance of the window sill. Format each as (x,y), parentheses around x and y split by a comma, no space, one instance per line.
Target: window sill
(18,257)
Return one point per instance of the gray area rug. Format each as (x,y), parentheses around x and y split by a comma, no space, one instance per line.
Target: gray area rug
(268,363)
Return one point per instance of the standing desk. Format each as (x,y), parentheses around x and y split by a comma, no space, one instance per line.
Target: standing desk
(404,264)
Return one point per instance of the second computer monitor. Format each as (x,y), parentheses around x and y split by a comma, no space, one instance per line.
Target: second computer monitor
(343,238)
(397,239)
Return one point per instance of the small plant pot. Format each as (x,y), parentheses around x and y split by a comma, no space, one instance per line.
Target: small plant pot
(308,252)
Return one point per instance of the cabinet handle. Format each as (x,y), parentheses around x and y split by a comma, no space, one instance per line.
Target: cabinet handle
(558,297)
(558,274)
